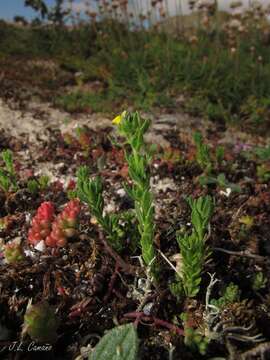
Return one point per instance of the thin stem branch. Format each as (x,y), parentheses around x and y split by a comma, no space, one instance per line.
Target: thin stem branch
(156,321)
(128,268)
(111,283)
(243,253)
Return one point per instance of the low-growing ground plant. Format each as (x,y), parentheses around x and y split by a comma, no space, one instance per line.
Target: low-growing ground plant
(259,281)
(210,163)
(13,251)
(263,172)
(194,251)
(202,153)
(219,180)
(37,185)
(230,295)
(33,186)
(194,338)
(212,326)
(138,155)
(8,181)
(40,322)
(263,153)
(90,191)
(219,155)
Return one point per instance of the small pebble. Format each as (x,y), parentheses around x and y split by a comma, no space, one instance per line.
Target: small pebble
(40,246)
(147,308)
(226,193)
(121,192)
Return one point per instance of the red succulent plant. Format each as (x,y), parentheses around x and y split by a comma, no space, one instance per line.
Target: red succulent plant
(65,225)
(42,223)
(54,231)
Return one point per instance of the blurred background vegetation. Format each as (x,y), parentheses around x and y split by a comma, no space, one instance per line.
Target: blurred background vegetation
(209,63)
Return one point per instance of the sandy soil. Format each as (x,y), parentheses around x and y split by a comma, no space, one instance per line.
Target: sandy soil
(36,122)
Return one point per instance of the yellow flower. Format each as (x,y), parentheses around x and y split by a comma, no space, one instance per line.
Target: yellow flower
(118,119)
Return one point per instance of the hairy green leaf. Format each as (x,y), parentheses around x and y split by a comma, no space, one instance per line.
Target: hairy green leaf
(120,343)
